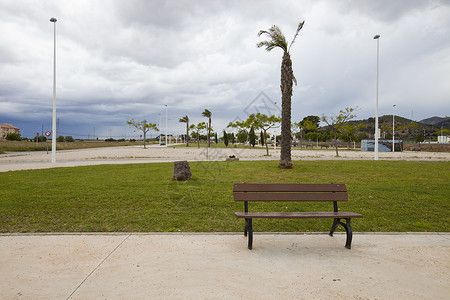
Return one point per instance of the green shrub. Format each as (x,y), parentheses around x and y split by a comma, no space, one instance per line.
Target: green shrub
(60,139)
(13,137)
(69,139)
(40,139)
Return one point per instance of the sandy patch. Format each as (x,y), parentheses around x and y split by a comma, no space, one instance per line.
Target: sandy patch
(122,155)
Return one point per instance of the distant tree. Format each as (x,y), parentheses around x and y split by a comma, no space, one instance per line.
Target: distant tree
(198,129)
(13,137)
(69,139)
(225,138)
(243,127)
(262,138)
(207,114)
(142,126)
(185,119)
(233,138)
(278,40)
(60,139)
(349,133)
(242,136)
(309,124)
(40,139)
(336,123)
(419,138)
(216,138)
(252,137)
(264,122)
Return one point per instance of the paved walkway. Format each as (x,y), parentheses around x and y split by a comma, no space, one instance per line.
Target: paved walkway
(219,266)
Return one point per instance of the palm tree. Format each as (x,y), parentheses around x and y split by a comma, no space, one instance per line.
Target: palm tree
(185,119)
(207,114)
(277,39)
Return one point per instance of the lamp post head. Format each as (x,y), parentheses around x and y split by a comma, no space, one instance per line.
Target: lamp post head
(53,20)
(376,37)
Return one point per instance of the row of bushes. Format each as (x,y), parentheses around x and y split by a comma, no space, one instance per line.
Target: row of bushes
(17,137)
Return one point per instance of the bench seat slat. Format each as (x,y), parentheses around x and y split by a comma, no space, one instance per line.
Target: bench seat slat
(290,196)
(297,215)
(289,187)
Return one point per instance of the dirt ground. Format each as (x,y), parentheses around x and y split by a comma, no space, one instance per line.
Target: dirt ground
(122,155)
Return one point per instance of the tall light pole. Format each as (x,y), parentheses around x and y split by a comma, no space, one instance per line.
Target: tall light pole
(377,37)
(159,129)
(166,123)
(53,20)
(393,128)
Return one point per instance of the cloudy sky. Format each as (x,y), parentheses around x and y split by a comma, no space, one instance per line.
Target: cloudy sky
(118,60)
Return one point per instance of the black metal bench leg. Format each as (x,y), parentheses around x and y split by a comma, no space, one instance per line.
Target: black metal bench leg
(246,227)
(336,223)
(348,229)
(250,234)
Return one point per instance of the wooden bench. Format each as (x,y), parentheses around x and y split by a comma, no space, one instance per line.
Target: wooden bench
(250,192)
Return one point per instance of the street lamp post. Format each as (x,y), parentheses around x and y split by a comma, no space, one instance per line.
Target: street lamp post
(160,129)
(53,20)
(393,128)
(377,37)
(166,123)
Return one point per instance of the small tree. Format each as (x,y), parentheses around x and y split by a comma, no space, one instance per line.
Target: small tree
(252,137)
(242,136)
(243,128)
(306,126)
(336,123)
(142,126)
(225,138)
(216,138)
(348,133)
(261,138)
(262,121)
(198,129)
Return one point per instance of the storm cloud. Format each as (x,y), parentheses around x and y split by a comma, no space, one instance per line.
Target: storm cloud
(119,60)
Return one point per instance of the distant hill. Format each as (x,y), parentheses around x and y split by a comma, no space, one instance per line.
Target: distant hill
(437,122)
(433,120)
(404,128)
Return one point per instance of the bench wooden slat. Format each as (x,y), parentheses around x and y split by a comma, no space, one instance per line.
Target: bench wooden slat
(290,196)
(289,187)
(297,215)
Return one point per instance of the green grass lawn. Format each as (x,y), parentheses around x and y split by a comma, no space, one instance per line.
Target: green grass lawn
(392,196)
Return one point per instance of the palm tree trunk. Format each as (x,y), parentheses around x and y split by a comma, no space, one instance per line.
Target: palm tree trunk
(287,77)
(209,133)
(187,134)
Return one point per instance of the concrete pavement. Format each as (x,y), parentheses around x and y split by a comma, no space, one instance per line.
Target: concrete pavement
(219,266)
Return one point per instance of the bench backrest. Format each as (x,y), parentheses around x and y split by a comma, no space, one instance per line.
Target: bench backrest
(289,192)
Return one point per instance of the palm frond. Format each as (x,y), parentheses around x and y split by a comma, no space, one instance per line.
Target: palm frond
(206,114)
(300,26)
(277,39)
